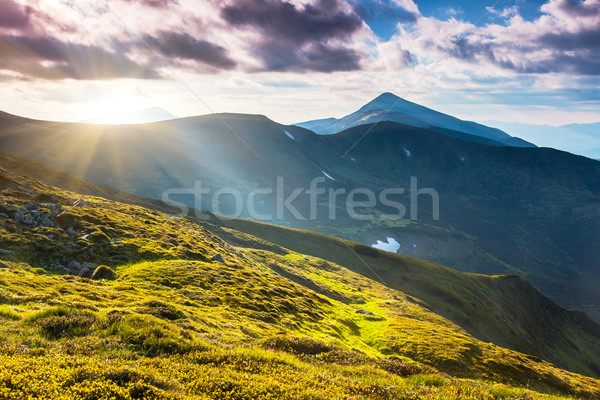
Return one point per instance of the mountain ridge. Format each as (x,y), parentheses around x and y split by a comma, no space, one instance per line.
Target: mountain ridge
(389,107)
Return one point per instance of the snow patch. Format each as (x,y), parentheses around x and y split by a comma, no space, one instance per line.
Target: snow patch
(414,246)
(290,135)
(462,159)
(353,159)
(390,245)
(327,175)
(407,152)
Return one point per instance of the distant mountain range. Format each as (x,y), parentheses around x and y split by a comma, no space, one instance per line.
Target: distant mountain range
(389,107)
(529,211)
(583,139)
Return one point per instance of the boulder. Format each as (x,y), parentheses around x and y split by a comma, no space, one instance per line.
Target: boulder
(6,252)
(103,272)
(218,258)
(85,273)
(74,266)
(365,312)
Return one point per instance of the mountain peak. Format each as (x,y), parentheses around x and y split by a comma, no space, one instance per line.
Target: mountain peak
(385,101)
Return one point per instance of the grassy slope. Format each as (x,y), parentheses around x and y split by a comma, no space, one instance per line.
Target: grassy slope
(264,323)
(503,309)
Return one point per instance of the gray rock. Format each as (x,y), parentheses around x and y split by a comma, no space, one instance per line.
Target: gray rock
(218,258)
(19,217)
(28,220)
(6,252)
(85,273)
(74,246)
(365,312)
(46,222)
(70,231)
(74,266)
(2,215)
(88,265)
(117,241)
(31,206)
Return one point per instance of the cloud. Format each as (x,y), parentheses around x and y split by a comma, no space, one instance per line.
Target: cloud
(310,37)
(13,15)
(153,3)
(184,46)
(564,39)
(49,58)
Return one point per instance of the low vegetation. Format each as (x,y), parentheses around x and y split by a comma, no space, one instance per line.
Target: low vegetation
(168,322)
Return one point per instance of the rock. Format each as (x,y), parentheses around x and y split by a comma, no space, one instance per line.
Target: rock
(2,265)
(84,237)
(6,252)
(117,241)
(46,222)
(365,312)
(218,258)
(70,231)
(31,206)
(88,265)
(85,273)
(29,220)
(2,215)
(80,203)
(103,272)
(74,246)
(19,217)
(74,266)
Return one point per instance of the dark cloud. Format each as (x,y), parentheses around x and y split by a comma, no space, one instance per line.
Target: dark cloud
(183,46)
(49,58)
(318,57)
(585,39)
(579,8)
(299,38)
(577,53)
(321,21)
(13,15)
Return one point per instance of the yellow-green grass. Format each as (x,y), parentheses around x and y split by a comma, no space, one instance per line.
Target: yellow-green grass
(267,323)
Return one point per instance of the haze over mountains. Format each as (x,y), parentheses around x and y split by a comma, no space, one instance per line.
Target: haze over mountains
(583,139)
(503,209)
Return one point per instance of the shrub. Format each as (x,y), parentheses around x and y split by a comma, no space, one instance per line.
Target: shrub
(305,346)
(60,321)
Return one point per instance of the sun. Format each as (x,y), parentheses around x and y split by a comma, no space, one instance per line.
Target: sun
(121,110)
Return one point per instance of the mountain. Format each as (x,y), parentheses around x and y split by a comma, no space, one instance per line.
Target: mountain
(582,139)
(389,107)
(508,210)
(105,298)
(143,116)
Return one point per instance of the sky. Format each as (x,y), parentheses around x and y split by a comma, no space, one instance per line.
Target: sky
(534,62)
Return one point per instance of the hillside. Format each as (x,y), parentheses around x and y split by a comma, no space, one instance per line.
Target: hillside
(162,317)
(525,211)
